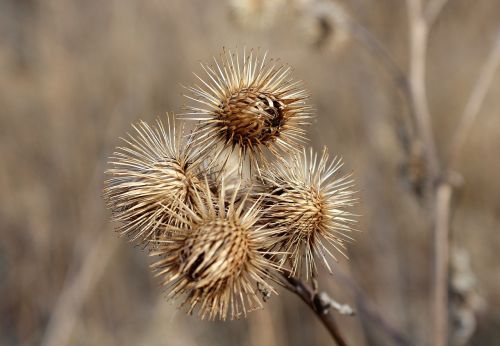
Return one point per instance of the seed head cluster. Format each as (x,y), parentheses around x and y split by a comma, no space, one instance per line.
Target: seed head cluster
(218,247)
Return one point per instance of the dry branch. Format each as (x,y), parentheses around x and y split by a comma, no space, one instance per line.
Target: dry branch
(320,305)
(473,106)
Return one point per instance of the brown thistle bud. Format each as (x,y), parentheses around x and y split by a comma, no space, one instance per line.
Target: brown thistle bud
(308,200)
(218,258)
(250,107)
(152,176)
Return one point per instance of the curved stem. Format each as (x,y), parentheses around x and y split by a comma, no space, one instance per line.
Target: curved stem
(441,249)
(317,305)
(419,34)
(474,103)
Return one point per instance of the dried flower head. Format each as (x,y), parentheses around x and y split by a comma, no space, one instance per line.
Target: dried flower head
(218,258)
(249,106)
(307,199)
(152,176)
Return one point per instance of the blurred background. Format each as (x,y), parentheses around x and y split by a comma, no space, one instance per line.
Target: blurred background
(75,74)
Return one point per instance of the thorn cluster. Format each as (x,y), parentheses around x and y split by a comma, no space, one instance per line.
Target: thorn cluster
(218,257)
(249,105)
(152,175)
(219,247)
(308,200)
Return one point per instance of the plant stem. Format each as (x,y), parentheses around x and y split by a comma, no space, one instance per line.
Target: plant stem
(441,243)
(317,305)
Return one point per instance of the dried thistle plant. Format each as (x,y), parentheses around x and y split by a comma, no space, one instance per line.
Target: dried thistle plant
(250,106)
(218,257)
(218,246)
(153,174)
(308,200)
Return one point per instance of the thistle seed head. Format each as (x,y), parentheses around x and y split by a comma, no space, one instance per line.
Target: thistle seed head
(249,106)
(308,200)
(152,174)
(218,257)
(218,244)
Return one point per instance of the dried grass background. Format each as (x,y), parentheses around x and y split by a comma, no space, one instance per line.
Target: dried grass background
(75,74)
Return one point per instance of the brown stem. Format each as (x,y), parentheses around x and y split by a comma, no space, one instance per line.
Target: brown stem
(369,312)
(474,103)
(316,304)
(441,243)
(419,33)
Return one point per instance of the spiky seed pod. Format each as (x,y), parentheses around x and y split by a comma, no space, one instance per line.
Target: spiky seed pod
(217,259)
(249,106)
(152,175)
(308,199)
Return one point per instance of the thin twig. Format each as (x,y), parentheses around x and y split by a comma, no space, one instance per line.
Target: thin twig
(419,31)
(368,41)
(369,312)
(444,192)
(441,246)
(316,304)
(419,34)
(473,106)
(380,52)
(375,47)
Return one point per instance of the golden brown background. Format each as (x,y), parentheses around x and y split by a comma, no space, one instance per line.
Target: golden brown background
(75,74)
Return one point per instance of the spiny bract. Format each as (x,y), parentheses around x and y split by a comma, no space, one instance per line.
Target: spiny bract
(250,107)
(218,257)
(152,175)
(307,200)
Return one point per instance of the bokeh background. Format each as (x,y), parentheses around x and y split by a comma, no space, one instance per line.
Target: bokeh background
(75,74)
